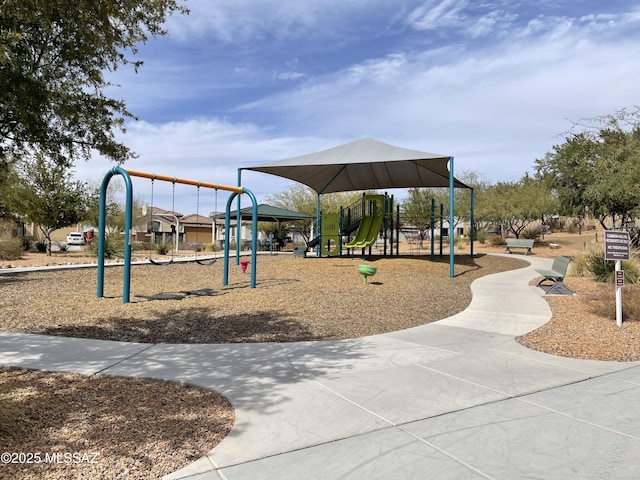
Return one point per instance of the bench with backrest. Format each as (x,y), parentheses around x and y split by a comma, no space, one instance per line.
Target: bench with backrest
(555,275)
(519,243)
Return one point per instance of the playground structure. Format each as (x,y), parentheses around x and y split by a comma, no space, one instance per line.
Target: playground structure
(366,218)
(371,221)
(126,175)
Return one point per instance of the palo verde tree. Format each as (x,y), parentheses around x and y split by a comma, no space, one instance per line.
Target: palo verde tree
(416,208)
(415,211)
(53,58)
(515,205)
(49,197)
(596,171)
(300,198)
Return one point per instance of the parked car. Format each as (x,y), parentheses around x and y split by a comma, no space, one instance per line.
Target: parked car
(75,238)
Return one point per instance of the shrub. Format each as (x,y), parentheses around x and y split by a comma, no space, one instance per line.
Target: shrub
(10,249)
(530,233)
(41,246)
(27,243)
(481,236)
(603,303)
(572,228)
(163,248)
(593,264)
(211,247)
(113,246)
(497,240)
(63,247)
(460,242)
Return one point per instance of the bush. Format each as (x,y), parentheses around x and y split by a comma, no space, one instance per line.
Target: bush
(163,248)
(63,247)
(603,303)
(210,247)
(460,242)
(497,240)
(10,249)
(113,246)
(27,243)
(592,264)
(481,236)
(41,246)
(572,228)
(530,233)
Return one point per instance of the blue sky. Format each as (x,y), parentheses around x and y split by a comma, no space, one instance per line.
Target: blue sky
(492,83)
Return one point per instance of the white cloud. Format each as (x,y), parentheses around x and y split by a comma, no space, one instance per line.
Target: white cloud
(290,75)
(240,21)
(208,150)
(499,109)
(496,103)
(437,14)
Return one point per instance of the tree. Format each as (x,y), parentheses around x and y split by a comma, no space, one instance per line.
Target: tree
(8,181)
(596,171)
(49,198)
(115,209)
(515,205)
(53,57)
(302,199)
(417,206)
(415,211)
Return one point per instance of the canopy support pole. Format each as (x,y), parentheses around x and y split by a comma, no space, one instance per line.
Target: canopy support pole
(451,220)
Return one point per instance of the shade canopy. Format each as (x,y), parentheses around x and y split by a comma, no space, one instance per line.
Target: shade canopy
(268,213)
(365,164)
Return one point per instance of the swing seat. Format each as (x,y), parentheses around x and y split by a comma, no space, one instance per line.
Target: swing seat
(206,261)
(160,264)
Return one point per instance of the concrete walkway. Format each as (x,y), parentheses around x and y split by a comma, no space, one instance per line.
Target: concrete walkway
(455,399)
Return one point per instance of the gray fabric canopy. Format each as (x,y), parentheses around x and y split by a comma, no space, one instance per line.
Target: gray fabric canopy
(268,213)
(365,164)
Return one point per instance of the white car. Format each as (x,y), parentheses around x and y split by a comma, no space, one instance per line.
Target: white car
(75,238)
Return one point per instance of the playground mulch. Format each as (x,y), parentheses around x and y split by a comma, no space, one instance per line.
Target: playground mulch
(296,299)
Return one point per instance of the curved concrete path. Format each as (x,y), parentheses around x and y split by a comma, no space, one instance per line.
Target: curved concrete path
(454,399)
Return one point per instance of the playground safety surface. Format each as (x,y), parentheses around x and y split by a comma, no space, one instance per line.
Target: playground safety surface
(296,299)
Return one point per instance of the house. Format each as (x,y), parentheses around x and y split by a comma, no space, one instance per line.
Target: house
(157,226)
(197,229)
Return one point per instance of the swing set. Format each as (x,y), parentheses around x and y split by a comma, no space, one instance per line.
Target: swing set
(174,245)
(175,227)
(126,175)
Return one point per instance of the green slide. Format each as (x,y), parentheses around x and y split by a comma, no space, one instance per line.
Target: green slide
(363,231)
(372,233)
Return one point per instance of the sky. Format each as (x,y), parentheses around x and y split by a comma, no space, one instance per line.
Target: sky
(495,84)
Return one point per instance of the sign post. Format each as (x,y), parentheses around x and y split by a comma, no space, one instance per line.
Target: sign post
(616,248)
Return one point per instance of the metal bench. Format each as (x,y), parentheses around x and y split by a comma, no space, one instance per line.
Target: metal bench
(519,243)
(555,275)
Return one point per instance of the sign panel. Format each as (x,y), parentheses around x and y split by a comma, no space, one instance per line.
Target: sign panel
(616,245)
(619,278)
